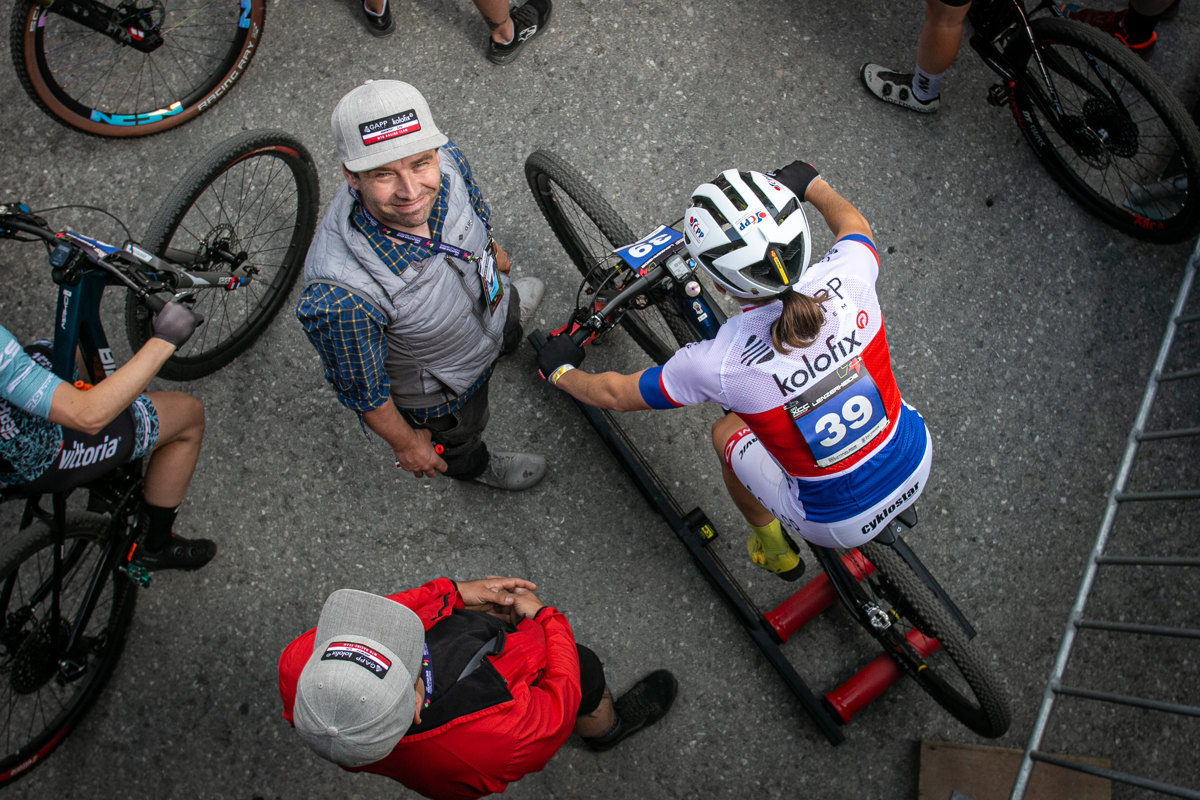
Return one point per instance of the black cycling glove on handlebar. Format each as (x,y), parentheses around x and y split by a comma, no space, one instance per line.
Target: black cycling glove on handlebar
(796,176)
(557,351)
(176,323)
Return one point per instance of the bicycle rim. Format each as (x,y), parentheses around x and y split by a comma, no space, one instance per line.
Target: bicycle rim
(91,82)
(39,709)
(255,194)
(1126,149)
(955,675)
(589,229)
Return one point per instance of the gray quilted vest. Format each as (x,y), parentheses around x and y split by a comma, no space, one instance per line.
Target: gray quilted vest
(440,336)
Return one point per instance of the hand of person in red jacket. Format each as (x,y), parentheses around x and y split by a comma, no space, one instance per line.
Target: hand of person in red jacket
(495,595)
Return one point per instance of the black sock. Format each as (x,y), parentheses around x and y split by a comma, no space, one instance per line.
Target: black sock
(156,523)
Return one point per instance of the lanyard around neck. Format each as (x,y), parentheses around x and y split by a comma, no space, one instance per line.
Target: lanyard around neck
(436,245)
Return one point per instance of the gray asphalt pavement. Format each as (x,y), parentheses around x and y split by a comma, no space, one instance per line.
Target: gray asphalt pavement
(1022,328)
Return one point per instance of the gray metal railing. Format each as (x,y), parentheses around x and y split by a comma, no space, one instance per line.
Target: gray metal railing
(1120,497)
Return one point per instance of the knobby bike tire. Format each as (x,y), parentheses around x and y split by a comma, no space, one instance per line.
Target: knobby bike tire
(88,81)
(258,193)
(1140,139)
(39,712)
(589,229)
(957,678)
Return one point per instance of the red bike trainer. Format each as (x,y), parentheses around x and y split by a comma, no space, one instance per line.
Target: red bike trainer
(862,688)
(812,598)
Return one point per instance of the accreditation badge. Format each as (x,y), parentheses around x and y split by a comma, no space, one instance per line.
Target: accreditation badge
(489,277)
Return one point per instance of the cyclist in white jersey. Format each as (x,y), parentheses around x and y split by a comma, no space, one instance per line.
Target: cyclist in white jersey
(817,436)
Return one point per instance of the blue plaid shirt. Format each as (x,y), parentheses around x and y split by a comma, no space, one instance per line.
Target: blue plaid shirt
(348,333)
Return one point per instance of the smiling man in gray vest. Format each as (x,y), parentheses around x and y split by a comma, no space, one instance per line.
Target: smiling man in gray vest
(407,298)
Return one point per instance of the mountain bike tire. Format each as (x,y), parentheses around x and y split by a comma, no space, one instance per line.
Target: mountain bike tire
(255,193)
(39,712)
(89,81)
(956,676)
(1139,138)
(589,229)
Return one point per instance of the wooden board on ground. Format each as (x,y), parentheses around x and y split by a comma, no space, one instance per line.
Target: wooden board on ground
(987,773)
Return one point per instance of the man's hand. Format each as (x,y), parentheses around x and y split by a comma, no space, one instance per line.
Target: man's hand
(797,176)
(502,262)
(526,604)
(558,350)
(419,457)
(495,595)
(176,323)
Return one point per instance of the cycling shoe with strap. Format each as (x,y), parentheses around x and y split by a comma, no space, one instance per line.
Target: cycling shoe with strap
(785,562)
(180,553)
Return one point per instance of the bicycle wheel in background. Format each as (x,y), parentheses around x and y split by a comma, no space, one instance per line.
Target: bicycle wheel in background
(251,201)
(39,702)
(1135,162)
(152,65)
(589,229)
(956,675)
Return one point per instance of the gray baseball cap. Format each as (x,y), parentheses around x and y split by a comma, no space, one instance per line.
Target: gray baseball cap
(381,122)
(354,697)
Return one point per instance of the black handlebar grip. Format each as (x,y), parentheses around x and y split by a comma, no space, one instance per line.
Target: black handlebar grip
(154,302)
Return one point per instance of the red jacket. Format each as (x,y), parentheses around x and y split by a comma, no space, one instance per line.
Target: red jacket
(482,752)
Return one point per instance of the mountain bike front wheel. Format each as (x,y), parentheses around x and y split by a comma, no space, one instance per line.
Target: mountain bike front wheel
(248,208)
(1125,147)
(41,700)
(158,64)
(589,229)
(955,675)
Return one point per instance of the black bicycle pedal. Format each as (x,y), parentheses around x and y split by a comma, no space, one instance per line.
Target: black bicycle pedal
(700,525)
(998,95)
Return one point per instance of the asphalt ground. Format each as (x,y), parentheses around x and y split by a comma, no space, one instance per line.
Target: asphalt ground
(1022,328)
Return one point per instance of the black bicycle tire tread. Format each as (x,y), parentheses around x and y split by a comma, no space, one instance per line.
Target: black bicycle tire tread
(239,64)
(993,716)
(1170,110)
(18,549)
(619,233)
(176,206)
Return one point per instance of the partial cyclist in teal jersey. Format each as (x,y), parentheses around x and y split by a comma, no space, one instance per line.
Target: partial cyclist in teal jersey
(55,436)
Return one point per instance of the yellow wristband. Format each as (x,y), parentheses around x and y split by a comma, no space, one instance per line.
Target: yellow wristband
(558,373)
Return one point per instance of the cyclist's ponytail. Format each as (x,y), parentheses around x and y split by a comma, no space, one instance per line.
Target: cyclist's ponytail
(800,321)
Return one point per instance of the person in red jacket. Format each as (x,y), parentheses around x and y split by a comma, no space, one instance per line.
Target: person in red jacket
(454,689)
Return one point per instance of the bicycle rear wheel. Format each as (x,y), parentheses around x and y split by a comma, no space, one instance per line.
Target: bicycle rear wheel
(1127,150)
(40,703)
(95,83)
(254,195)
(589,229)
(956,675)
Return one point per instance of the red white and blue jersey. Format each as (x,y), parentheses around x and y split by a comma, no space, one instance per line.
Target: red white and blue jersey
(820,411)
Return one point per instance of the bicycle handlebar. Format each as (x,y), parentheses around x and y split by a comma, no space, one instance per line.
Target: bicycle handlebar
(93,251)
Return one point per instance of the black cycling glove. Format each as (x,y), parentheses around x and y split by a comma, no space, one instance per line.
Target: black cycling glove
(557,352)
(176,323)
(797,176)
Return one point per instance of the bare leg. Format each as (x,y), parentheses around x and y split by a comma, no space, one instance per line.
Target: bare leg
(495,14)
(180,432)
(600,721)
(1150,8)
(941,36)
(754,512)
(374,6)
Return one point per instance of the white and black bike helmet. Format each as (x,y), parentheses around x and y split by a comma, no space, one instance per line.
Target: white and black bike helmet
(749,233)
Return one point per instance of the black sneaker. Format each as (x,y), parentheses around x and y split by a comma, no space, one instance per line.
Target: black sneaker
(643,705)
(528,21)
(382,24)
(181,553)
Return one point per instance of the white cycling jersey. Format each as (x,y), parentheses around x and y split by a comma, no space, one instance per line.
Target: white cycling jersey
(829,416)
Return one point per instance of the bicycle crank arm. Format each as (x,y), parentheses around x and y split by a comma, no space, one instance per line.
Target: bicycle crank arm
(137,32)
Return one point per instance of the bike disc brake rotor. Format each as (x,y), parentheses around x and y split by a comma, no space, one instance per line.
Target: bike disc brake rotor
(219,246)
(33,663)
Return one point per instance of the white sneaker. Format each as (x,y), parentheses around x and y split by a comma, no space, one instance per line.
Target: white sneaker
(530,290)
(513,471)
